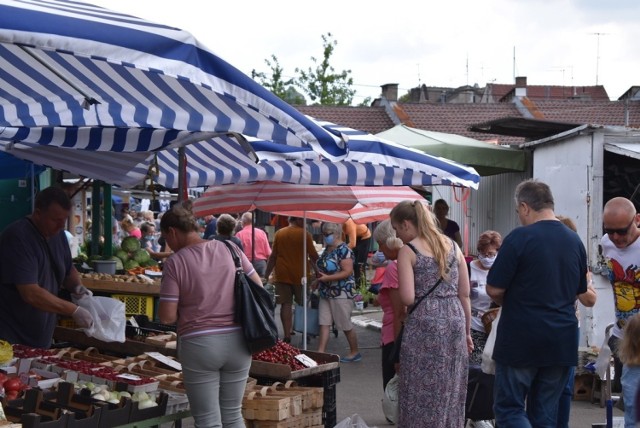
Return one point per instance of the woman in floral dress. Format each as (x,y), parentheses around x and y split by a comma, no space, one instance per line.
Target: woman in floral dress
(434,355)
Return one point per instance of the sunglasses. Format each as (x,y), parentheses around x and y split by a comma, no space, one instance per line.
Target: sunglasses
(620,232)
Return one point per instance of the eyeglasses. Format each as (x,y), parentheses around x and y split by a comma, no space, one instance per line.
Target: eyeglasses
(620,232)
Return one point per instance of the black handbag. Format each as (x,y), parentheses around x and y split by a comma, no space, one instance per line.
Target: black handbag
(394,355)
(254,309)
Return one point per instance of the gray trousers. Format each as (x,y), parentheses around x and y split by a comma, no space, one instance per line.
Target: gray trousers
(215,369)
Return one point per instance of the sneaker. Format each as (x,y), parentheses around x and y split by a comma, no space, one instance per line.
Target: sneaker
(353,359)
(483,424)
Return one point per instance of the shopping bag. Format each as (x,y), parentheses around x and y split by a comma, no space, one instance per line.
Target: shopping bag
(109,318)
(354,421)
(390,399)
(313,320)
(603,362)
(488,364)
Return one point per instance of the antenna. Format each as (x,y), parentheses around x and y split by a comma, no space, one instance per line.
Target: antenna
(467,67)
(598,52)
(514,63)
(419,79)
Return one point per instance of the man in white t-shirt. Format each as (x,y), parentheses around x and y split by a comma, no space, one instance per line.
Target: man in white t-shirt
(621,248)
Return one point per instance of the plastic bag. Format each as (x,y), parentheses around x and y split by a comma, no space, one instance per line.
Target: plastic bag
(603,362)
(488,364)
(390,399)
(109,319)
(354,421)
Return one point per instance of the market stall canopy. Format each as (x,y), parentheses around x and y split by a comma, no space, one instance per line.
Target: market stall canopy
(79,76)
(12,167)
(486,158)
(371,161)
(374,204)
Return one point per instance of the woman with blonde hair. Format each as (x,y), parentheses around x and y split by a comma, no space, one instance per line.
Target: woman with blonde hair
(434,356)
(630,356)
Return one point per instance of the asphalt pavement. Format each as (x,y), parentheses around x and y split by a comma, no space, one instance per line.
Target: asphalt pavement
(360,388)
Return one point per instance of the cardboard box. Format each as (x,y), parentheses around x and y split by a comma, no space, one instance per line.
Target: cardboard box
(582,387)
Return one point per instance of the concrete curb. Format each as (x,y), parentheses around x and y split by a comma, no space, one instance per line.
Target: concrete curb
(366,321)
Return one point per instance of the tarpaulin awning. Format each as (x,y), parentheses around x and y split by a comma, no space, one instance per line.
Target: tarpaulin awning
(74,75)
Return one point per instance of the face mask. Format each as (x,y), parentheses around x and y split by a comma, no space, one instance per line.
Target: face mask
(329,240)
(485,261)
(149,237)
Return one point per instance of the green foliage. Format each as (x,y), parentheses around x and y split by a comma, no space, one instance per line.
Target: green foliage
(366,102)
(322,83)
(276,83)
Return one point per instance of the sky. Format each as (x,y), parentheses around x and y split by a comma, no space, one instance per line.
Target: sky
(449,44)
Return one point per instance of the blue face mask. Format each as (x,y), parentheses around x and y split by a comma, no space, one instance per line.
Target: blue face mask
(329,240)
(149,237)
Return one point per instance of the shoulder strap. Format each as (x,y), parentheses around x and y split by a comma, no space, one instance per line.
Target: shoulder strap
(436,284)
(236,259)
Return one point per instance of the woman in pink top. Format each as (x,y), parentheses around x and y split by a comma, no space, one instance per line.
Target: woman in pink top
(393,310)
(197,292)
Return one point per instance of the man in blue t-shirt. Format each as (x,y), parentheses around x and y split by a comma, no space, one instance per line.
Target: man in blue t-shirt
(540,269)
(35,264)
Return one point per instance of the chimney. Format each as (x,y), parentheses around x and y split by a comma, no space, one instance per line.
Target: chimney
(521,86)
(390,91)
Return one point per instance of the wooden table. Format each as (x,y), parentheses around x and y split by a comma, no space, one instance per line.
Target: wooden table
(128,348)
(114,287)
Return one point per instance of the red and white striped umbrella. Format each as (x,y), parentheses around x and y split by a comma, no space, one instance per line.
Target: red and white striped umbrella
(272,196)
(349,201)
(375,206)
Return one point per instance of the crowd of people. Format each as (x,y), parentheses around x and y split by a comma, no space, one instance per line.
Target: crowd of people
(428,291)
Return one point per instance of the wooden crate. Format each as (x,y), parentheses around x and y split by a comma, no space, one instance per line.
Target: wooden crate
(312,397)
(265,404)
(283,371)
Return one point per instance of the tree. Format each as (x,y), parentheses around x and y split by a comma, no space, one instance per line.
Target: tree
(322,84)
(276,83)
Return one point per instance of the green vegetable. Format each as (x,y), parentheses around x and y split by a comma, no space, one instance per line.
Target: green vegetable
(141,256)
(122,255)
(130,244)
(131,264)
(119,264)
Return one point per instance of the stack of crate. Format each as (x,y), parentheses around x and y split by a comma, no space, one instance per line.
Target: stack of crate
(283,406)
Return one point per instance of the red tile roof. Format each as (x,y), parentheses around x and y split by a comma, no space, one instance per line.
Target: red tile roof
(501,92)
(368,119)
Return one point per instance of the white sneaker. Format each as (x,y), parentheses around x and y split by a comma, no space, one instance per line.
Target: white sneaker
(483,424)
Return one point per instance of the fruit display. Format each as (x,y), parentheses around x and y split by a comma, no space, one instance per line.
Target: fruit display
(129,277)
(281,353)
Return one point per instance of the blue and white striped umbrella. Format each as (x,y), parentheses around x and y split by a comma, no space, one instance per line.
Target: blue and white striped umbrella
(78,76)
(222,160)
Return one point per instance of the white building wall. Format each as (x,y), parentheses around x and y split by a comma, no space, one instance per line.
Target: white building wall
(573,168)
(491,207)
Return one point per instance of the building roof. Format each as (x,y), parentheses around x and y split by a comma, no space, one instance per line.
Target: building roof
(368,119)
(536,116)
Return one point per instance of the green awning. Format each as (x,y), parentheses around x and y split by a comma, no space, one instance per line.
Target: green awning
(486,158)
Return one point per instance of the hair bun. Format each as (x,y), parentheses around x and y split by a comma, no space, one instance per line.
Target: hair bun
(394,243)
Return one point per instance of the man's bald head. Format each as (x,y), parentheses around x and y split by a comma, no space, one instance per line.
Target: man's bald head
(620,221)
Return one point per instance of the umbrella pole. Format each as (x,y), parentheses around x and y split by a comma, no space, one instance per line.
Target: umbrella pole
(304,283)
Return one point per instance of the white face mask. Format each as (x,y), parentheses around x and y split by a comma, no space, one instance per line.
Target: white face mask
(485,261)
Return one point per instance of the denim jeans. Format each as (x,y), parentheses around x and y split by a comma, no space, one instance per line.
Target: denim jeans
(564,406)
(541,387)
(630,383)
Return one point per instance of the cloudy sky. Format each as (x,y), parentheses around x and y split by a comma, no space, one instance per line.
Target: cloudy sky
(554,42)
